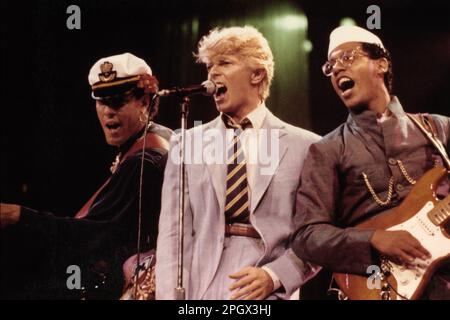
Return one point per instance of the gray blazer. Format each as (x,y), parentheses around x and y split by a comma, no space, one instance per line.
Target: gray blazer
(271,213)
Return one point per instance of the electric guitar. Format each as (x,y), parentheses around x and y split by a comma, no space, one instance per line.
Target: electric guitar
(428,220)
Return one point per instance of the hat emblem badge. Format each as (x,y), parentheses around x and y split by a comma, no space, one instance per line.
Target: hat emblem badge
(107,74)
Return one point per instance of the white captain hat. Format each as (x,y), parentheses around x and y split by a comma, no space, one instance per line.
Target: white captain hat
(116,74)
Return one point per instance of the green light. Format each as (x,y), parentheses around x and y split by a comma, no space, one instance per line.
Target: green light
(347,21)
(291,22)
(194,26)
(184,28)
(307,46)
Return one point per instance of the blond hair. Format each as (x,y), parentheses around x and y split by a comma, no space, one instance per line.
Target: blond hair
(245,42)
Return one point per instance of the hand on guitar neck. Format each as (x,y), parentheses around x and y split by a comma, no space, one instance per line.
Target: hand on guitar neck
(9,214)
(400,246)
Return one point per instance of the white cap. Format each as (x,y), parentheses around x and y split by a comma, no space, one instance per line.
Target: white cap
(346,34)
(115,72)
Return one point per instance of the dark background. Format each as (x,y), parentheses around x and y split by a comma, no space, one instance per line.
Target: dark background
(53,151)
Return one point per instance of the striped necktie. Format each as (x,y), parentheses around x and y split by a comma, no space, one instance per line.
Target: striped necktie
(237,199)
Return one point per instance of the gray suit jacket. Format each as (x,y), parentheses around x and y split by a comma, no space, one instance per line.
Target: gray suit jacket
(271,211)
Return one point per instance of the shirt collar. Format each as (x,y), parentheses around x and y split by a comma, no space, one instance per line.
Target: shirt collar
(368,118)
(256,117)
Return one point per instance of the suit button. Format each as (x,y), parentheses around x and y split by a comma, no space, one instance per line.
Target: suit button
(399,187)
(392,161)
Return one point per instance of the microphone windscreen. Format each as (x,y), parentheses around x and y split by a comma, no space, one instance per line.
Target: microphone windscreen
(210,87)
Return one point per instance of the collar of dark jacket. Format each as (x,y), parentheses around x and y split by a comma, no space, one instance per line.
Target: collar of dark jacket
(127,145)
(368,118)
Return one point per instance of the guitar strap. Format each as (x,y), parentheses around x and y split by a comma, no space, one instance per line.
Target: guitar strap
(426,124)
(151,141)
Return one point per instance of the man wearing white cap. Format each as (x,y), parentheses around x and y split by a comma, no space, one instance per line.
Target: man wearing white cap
(104,233)
(364,167)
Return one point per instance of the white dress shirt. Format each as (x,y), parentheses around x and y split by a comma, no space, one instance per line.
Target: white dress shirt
(250,143)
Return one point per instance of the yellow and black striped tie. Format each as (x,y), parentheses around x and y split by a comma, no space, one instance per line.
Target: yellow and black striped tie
(236,204)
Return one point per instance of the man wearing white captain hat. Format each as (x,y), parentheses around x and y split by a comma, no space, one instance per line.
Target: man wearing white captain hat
(365,166)
(103,234)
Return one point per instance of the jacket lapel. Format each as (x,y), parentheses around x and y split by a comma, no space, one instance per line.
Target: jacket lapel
(274,148)
(217,168)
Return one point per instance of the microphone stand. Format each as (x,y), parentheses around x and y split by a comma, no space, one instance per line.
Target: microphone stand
(180,293)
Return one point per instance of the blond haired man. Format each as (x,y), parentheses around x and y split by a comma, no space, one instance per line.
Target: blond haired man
(239,212)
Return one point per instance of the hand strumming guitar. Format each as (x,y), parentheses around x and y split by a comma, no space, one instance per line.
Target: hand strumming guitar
(400,246)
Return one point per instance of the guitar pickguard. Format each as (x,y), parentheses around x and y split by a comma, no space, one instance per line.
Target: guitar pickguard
(432,238)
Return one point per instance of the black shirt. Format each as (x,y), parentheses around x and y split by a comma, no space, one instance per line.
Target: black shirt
(100,242)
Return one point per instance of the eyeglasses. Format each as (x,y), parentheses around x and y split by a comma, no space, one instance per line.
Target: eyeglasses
(345,59)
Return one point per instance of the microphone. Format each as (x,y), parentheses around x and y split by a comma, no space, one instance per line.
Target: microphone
(207,88)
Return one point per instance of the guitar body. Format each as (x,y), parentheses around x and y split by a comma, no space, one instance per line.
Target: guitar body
(425,217)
